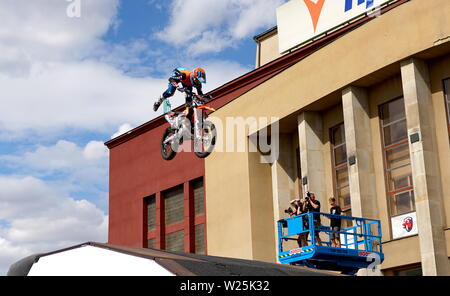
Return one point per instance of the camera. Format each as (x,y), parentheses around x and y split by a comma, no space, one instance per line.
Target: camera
(289,211)
(308,196)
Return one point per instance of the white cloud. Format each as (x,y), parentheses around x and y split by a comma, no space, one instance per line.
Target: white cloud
(122,130)
(95,150)
(131,57)
(88,95)
(215,25)
(254,15)
(70,169)
(56,73)
(67,166)
(42,31)
(210,41)
(43,219)
(64,155)
(188,19)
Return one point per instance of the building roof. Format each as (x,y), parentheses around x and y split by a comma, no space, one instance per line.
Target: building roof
(177,263)
(265,34)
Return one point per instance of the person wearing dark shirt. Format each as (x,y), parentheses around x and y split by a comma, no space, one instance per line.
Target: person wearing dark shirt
(335,223)
(313,205)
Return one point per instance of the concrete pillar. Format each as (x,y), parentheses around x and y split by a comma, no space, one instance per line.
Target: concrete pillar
(361,172)
(310,132)
(358,141)
(283,178)
(425,167)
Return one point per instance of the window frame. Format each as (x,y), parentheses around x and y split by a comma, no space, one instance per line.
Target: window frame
(199,218)
(341,166)
(386,171)
(188,224)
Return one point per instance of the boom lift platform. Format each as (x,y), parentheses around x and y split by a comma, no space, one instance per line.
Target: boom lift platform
(360,243)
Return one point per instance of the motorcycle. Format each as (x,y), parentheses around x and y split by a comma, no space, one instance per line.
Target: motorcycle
(202,133)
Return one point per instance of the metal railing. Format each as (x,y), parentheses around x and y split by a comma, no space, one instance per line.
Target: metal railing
(360,234)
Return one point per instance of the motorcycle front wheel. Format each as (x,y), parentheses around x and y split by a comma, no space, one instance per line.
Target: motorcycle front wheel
(208,140)
(169,149)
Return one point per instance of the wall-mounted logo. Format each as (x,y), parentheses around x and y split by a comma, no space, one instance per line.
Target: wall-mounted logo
(315,9)
(404,225)
(349,3)
(408,223)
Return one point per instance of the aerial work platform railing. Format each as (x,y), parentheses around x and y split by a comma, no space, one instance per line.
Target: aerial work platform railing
(302,240)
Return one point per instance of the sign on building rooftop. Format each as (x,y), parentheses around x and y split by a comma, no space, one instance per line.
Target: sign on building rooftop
(301,20)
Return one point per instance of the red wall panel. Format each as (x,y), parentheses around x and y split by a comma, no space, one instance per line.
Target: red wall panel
(137,170)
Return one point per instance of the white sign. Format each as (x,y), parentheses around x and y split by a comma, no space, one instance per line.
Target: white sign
(301,20)
(404,225)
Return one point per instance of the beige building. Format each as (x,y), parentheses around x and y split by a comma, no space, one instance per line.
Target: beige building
(364,119)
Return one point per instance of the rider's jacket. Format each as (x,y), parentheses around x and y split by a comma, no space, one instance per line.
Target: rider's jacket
(184,76)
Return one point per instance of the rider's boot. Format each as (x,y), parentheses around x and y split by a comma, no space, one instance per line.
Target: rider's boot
(157,104)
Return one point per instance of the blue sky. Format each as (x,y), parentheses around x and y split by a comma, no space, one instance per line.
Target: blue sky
(69,84)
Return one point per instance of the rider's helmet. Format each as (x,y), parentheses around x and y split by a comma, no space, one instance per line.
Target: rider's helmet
(198,75)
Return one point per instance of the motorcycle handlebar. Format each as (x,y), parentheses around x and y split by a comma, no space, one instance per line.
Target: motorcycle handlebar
(205,98)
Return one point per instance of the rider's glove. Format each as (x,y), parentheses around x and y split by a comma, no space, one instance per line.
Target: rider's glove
(156,106)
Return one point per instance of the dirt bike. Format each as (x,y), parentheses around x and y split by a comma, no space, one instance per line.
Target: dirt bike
(202,133)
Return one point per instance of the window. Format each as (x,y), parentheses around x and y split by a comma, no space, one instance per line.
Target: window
(199,222)
(151,243)
(174,205)
(151,213)
(396,157)
(447,102)
(410,271)
(174,218)
(340,168)
(199,197)
(175,241)
(169,226)
(200,239)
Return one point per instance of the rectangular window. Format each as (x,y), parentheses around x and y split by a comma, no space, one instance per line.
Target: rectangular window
(175,241)
(447,102)
(151,243)
(199,208)
(174,205)
(340,168)
(411,271)
(396,157)
(199,197)
(151,213)
(200,239)
(175,231)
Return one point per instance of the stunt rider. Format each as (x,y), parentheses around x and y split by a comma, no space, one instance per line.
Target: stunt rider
(188,80)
